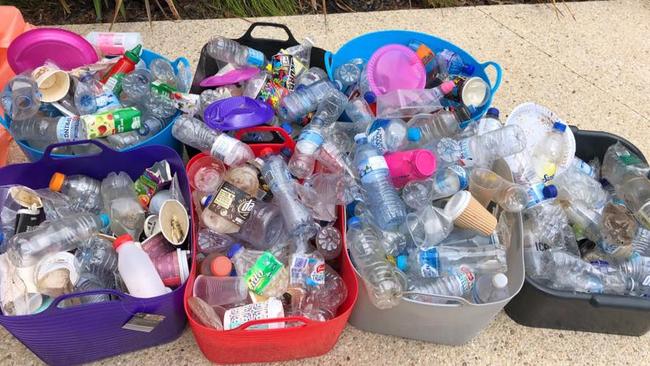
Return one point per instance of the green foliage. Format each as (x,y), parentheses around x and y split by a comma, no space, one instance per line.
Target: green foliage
(257,8)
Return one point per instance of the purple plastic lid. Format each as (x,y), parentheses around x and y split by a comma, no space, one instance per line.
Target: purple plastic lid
(231,77)
(66,49)
(395,67)
(237,112)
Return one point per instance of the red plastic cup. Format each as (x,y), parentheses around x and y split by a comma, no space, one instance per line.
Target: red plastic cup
(172,267)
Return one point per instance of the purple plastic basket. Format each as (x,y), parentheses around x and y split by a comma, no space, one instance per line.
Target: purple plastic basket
(88,332)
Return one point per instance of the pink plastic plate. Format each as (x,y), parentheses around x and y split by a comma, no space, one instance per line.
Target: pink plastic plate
(395,67)
(232,77)
(66,49)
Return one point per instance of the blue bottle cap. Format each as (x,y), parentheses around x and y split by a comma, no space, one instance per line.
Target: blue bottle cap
(234,249)
(414,134)
(402,262)
(549,191)
(494,112)
(559,126)
(361,138)
(2,236)
(349,209)
(206,200)
(468,69)
(287,127)
(354,221)
(106,220)
(370,97)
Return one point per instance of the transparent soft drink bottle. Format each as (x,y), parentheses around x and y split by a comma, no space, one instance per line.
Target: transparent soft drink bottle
(388,135)
(122,205)
(384,203)
(380,277)
(490,288)
(440,260)
(450,63)
(264,228)
(483,150)
(150,126)
(137,270)
(445,183)
(304,100)
(458,283)
(218,291)
(231,52)
(444,123)
(26,249)
(48,130)
(83,191)
(197,134)
(487,186)
(303,159)
(548,154)
(297,218)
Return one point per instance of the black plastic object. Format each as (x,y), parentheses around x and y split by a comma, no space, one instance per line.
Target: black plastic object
(209,66)
(539,306)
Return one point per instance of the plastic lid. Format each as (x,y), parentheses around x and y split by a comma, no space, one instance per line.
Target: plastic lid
(393,67)
(360,137)
(447,87)
(234,249)
(402,262)
(499,280)
(57,182)
(235,113)
(354,221)
(549,191)
(287,127)
(221,266)
(559,126)
(424,163)
(457,204)
(106,220)
(126,238)
(134,54)
(205,200)
(370,97)
(414,134)
(231,77)
(494,112)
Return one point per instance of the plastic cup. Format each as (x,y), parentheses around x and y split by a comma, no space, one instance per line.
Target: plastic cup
(428,226)
(484,185)
(172,267)
(206,174)
(220,290)
(156,246)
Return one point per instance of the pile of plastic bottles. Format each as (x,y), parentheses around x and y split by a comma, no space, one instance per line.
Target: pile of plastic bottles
(594,237)
(120,101)
(80,235)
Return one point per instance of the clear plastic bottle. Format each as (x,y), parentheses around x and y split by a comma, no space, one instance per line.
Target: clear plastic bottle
(136,86)
(441,260)
(585,219)
(256,265)
(48,130)
(347,74)
(89,281)
(381,279)
(489,122)
(641,241)
(450,63)
(150,126)
(311,76)
(26,249)
(638,268)
(195,133)
(359,113)
(97,256)
(217,291)
(297,218)
(304,100)
(445,183)
(331,294)
(328,242)
(548,154)
(619,163)
(90,97)
(264,228)
(635,191)
(404,103)
(486,186)
(384,203)
(21,98)
(83,191)
(158,105)
(428,226)
(163,71)
(458,283)
(210,241)
(483,150)
(573,185)
(122,205)
(303,159)
(388,135)
(490,288)
(444,123)
(231,52)
(137,270)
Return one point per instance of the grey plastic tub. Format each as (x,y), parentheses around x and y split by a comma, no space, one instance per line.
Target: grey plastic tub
(454,323)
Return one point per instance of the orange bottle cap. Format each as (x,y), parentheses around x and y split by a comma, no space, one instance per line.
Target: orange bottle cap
(57,182)
(221,266)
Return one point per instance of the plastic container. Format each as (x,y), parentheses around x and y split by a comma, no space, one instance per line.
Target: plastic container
(164,137)
(308,339)
(89,332)
(365,45)
(543,307)
(455,323)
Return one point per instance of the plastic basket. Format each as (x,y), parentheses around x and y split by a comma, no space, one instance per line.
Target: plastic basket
(365,45)
(311,338)
(455,323)
(163,137)
(88,332)
(544,307)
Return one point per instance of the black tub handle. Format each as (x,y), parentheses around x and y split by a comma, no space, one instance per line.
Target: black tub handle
(248,36)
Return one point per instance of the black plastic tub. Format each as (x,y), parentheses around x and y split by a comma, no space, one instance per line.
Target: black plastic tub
(539,306)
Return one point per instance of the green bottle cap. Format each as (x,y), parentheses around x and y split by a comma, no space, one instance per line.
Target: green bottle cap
(134,54)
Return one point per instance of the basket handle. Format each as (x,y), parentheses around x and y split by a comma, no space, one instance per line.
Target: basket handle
(328,61)
(618,302)
(54,306)
(300,319)
(457,301)
(277,147)
(248,36)
(499,74)
(47,154)
(4,121)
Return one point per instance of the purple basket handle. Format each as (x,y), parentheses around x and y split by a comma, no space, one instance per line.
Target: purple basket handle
(47,154)
(54,306)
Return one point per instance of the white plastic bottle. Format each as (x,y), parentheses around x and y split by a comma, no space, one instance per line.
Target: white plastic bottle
(136,269)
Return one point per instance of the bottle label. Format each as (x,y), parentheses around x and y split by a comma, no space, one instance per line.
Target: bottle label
(232,204)
(255,58)
(372,164)
(377,135)
(535,194)
(307,270)
(260,275)
(582,166)
(466,156)
(110,123)
(106,101)
(629,159)
(309,141)
(462,175)
(429,263)
(67,129)
(272,308)
(224,146)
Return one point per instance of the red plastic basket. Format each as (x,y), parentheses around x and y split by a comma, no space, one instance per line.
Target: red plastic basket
(310,339)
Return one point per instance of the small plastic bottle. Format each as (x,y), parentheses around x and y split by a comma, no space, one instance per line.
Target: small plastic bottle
(389,135)
(83,191)
(137,270)
(490,288)
(122,205)
(230,51)
(444,123)
(445,183)
(458,283)
(483,150)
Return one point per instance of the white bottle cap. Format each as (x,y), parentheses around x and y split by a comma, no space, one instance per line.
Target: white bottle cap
(500,280)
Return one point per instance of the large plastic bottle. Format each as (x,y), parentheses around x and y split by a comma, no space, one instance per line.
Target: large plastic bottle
(483,150)
(445,183)
(122,205)
(548,153)
(264,228)
(297,218)
(264,274)
(444,123)
(384,203)
(458,283)
(83,191)
(304,100)
(230,51)
(487,186)
(90,96)
(619,163)
(303,159)
(381,280)
(450,63)
(48,130)
(26,249)
(573,185)
(195,133)
(441,260)
(150,126)
(388,135)
(490,288)
(137,270)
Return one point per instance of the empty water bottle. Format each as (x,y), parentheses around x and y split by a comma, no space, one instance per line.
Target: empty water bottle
(90,96)
(231,52)
(163,71)
(638,268)
(328,242)
(330,294)
(641,241)
(83,191)
(388,135)
(97,256)
(404,103)
(264,227)
(450,63)
(303,159)
(92,282)
(445,183)
(458,283)
(311,76)
(619,163)
(489,122)
(347,74)
(381,279)
(210,241)
(483,150)
(21,99)
(136,86)
(150,126)
(195,133)
(548,154)
(26,249)
(573,185)
(384,203)
(48,130)
(305,100)
(444,123)
(490,288)
(122,205)
(359,113)
(428,226)
(442,260)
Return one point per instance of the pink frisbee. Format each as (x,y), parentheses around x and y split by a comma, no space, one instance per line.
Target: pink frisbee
(66,49)
(395,67)
(232,77)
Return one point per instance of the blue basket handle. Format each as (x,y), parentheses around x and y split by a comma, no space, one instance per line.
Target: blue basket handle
(4,121)
(47,154)
(54,306)
(329,59)
(181,60)
(499,72)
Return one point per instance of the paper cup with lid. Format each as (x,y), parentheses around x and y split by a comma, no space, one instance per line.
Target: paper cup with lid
(468,213)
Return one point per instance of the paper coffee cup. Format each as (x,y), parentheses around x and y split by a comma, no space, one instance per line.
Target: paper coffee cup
(174,221)
(468,213)
(52,82)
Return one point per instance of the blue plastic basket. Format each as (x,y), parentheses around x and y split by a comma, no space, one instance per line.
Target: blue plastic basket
(164,137)
(365,45)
